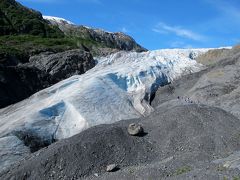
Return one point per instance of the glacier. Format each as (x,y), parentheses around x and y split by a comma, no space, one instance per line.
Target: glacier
(119,87)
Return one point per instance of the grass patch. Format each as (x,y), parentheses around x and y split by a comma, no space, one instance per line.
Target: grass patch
(236,178)
(182,170)
(33,44)
(225,178)
(215,74)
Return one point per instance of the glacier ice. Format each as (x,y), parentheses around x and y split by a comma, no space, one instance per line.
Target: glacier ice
(117,88)
(11,150)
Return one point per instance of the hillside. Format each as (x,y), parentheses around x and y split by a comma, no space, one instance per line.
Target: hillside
(17,19)
(105,39)
(24,31)
(217,86)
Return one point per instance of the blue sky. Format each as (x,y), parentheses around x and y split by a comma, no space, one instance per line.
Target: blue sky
(154,24)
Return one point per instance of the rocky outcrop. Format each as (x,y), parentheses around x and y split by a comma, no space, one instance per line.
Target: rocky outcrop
(63,65)
(20,80)
(116,40)
(213,56)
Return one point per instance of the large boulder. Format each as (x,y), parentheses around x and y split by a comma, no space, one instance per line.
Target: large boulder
(135,129)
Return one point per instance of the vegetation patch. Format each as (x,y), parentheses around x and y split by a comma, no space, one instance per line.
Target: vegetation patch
(182,170)
(215,74)
(26,45)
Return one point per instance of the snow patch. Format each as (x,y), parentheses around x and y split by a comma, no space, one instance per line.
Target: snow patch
(58,20)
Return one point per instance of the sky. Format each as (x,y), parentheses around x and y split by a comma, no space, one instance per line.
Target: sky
(155,24)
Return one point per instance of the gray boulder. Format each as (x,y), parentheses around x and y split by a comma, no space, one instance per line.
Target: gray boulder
(135,129)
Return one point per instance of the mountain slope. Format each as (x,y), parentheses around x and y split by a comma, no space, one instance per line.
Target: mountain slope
(111,40)
(218,85)
(18,19)
(35,34)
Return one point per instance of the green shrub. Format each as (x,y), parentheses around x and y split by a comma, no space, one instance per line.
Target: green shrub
(17,19)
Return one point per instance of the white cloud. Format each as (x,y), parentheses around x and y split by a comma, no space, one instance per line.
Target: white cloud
(163,28)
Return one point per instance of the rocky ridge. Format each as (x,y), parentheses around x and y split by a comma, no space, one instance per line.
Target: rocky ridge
(118,40)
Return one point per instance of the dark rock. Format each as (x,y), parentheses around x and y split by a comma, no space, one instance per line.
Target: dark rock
(19,82)
(22,80)
(135,129)
(63,65)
